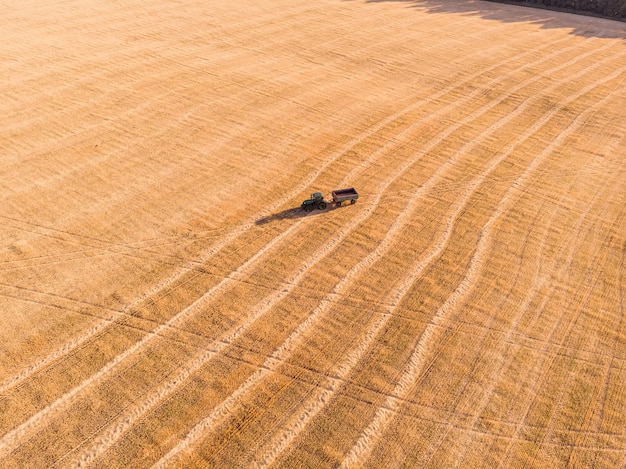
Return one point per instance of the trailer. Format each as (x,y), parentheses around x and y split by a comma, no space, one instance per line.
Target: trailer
(343,195)
(339,197)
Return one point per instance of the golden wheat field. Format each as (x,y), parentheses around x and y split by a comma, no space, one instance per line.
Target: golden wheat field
(166,303)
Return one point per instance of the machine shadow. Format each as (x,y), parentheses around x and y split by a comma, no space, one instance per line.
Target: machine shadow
(294,213)
(579,23)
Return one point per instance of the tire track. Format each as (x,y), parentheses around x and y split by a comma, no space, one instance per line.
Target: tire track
(221,412)
(544,352)
(598,411)
(31,422)
(539,279)
(233,234)
(140,250)
(361,450)
(590,287)
(325,392)
(483,331)
(548,361)
(129,54)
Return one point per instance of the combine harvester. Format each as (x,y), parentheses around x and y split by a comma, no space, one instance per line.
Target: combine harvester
(339,196)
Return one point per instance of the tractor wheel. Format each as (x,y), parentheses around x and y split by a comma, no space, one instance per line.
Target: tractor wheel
(308,208)
(321,205)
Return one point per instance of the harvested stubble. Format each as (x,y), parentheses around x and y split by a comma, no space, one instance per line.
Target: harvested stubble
(163,305)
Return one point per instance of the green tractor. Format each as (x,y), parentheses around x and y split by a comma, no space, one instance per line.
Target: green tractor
(316,201)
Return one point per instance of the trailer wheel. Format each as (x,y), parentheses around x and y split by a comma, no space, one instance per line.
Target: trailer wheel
(339,204)
(321,205)
(353,201)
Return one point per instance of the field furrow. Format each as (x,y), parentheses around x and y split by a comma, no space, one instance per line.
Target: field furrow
(167,303)
(268,366)
(209,295)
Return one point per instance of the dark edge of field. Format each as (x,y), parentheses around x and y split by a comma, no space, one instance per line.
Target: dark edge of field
(527,3)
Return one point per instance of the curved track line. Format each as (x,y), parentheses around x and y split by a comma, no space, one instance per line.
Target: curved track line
(11,439)
(222,411)
(539,366)
(325,391)
(548,360)
(234,233)
(243,227)
(231,236)
(133,250)
(363,447)
(538,280)
(593,276)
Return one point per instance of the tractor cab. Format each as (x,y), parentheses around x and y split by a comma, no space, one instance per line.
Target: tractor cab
(316,201)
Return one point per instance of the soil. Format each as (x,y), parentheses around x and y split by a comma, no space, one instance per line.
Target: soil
(166,302)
